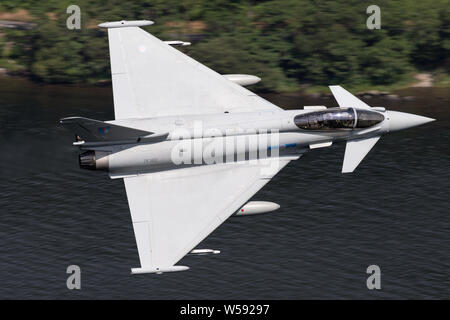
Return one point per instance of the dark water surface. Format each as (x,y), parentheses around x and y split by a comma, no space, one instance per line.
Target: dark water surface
(392,212)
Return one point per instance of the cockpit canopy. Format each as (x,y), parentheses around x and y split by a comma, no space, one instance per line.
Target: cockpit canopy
(338,118)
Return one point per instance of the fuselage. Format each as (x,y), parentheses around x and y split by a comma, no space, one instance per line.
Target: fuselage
(229,137)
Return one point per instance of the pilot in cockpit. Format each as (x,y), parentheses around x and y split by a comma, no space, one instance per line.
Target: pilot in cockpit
(337,118)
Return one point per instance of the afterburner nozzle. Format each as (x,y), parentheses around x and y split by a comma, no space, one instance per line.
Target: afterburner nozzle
(403,120)
(94,160)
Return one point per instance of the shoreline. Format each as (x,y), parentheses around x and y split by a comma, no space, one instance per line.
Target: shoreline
(395,92)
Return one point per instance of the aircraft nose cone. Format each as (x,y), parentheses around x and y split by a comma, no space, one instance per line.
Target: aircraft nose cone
(403,120)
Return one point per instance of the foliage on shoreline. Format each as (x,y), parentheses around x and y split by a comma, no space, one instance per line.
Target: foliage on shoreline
(288,43)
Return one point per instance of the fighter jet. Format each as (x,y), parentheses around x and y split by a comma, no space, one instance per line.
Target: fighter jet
(193,146)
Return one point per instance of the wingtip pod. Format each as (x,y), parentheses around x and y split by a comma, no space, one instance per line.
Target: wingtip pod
(159,270)
(202,252)
(124,24)
(177,43)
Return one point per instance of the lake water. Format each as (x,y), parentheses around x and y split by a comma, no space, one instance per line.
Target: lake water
(392,212)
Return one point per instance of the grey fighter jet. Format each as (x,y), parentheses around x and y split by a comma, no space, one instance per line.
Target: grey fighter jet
(193,146)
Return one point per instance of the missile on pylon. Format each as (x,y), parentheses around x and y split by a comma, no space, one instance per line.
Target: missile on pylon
(242,79)
(257,207)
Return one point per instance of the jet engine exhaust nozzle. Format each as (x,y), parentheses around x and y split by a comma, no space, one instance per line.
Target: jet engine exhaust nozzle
(94,160)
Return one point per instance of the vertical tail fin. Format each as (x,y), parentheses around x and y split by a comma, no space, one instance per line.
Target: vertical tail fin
(91,130)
